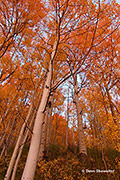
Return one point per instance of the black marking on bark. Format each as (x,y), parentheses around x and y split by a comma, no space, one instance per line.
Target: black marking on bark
(47,87)
(81,112)
(44,110)
(49,104)
(46,105)
(29,129)
(77,92)
(51,94)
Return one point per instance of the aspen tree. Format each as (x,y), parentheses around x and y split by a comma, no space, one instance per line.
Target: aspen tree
(33,154)
(67,120)
(82,146)
(21,146)
(23,140)
(13,158)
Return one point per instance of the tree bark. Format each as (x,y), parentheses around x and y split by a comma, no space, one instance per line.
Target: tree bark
(82,146)
(49,126)
(42,145)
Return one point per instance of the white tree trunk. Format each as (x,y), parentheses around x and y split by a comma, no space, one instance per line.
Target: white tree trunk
(21,147)
(24,139)
(42,144)
(32,158)
(13,158)
(49,124)
(82,146)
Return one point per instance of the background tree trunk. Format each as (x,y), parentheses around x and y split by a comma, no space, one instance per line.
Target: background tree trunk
(81,140)
(13,158)
(67,120)
(21,147)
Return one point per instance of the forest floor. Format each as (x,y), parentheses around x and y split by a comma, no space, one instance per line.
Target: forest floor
(66,165)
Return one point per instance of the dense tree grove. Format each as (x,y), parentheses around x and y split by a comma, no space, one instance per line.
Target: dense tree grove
(59,89)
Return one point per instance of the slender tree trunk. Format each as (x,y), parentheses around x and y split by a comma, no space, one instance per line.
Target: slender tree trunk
(67,121)
(21,147)
(4,136)
(55,133)
(24,140)
(73,136)
(33,154)
(82,146)
(2,152)
(111,105)
(7,139)
(67,135)
(5,157)
(13,158)
(5,115)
